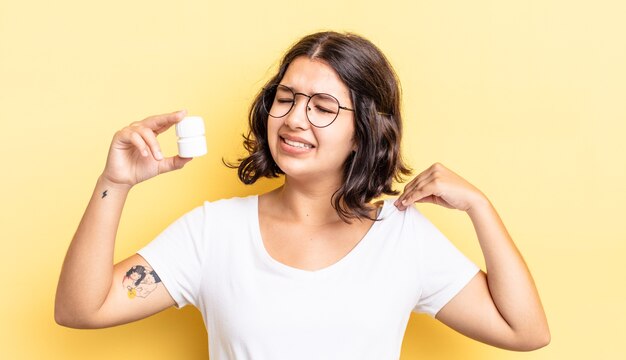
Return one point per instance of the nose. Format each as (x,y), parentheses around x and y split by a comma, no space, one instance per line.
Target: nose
(297,117)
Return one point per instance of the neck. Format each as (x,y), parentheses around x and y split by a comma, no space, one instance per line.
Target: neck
(307,202)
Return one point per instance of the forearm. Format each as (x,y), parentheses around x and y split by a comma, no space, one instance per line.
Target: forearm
(511,286)
(88,267)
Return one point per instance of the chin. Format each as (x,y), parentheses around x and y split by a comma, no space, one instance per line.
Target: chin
(296,170)
(306,168)
(311,175)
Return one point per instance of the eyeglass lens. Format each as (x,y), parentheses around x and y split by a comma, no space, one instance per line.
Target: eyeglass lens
(321,109)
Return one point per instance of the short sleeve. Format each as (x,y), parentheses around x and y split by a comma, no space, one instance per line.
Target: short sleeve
(176,256)
(444,270)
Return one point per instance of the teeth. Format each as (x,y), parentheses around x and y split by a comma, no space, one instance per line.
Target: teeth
(298,144)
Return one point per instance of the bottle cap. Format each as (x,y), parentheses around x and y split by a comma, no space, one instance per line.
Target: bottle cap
(191,142)
(190,126)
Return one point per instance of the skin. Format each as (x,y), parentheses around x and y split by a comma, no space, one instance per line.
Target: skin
(331,145)
(500,307)
(298,224)
(99,302)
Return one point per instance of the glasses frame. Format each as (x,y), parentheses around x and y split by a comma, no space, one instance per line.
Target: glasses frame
(293,103)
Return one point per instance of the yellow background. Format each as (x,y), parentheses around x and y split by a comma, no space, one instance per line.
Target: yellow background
(525,99)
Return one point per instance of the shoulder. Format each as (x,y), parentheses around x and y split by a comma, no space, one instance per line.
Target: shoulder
(234,203)
(220,210)
(223,210)
(411,223)
(390,214)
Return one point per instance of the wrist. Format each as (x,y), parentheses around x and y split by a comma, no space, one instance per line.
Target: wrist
(479,205)
(106,183)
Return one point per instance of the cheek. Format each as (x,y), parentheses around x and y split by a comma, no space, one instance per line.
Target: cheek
(339,142)
(273,126)
(272,131)
(345,137)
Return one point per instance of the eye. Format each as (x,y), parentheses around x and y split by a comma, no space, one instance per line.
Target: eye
(284,100)
(324,110)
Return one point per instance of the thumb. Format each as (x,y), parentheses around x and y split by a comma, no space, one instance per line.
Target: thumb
(172,163)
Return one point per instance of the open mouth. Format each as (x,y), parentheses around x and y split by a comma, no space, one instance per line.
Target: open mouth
(296,144)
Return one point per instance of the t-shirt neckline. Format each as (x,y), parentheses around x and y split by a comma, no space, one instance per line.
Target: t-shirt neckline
(297,272)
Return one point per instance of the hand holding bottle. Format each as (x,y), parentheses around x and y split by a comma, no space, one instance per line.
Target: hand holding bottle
(135,154)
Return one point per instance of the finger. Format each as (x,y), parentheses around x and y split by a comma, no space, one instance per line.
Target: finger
(426,187)
(139,143)
(434,171)
(421,189)
(422,183)
(407,189)
(433,199)
(412,197)
(160,123)
(414,184)
(150,139)
(433,191)
(172,163)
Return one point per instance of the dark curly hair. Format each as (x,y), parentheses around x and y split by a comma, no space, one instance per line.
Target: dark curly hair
(374,88)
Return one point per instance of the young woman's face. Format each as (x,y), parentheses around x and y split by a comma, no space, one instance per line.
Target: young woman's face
(300,149)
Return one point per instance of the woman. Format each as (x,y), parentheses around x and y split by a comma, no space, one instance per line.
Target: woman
(313,269)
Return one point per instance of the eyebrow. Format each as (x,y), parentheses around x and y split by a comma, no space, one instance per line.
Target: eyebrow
(317,92)
(289,87)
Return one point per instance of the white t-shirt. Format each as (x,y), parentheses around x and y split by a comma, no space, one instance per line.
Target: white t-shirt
(255,307)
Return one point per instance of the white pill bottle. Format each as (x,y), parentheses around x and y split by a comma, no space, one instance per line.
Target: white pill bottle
(191,140)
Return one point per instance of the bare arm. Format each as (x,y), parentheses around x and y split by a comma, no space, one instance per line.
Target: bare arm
(87,281)
(501,307)
(504,306)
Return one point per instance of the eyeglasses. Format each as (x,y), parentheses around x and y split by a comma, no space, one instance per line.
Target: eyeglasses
(321,109)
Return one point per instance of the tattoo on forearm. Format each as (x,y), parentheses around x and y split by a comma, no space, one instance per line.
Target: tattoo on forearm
(140,281)
(104,194)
